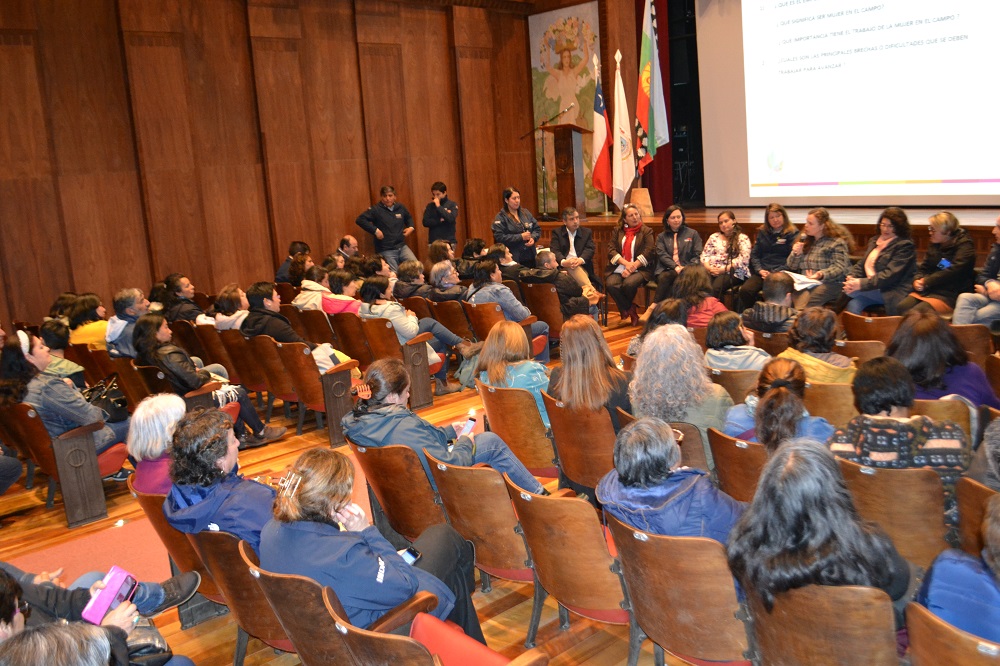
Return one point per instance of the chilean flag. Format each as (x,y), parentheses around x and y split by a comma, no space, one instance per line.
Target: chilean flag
(601,151)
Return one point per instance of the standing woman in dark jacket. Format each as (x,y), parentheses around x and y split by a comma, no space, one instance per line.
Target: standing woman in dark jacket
(151,338)
(677,247)
(769,253)
(631,260)
(517,228)
(947,269)
(885,274)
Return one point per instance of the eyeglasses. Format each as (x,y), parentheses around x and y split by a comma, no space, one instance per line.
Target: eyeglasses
(24,608)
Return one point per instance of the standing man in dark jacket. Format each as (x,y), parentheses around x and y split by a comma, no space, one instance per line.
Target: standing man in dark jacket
(573,246)
(390,223)
(440,215)
(571,299)
(265,315)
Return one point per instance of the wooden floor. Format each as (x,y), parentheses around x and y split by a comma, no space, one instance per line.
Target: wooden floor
(27,526)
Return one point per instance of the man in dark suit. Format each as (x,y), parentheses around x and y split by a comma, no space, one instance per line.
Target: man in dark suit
(573,246)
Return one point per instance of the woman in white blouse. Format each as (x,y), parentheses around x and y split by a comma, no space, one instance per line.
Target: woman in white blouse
(726,255)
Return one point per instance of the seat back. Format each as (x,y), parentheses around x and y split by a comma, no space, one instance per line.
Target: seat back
(452,316)
(681,592)
(479,508)
(203,300)
(692,445)
(515,288)
(972,497)
(27,434)
(265,353)
(862,350)
(736,382)
(772,343)
(384,343)
(834,402)
(992,366)
(824,625)
(401,486)
(628,363)
(177,544)
(908,504)
(738,464)
(103,361)
(543,301)
(946,410)
(80,354)
(220,552)
(584,439)
(130,381)
(351,336)
(291,313)
(419,305)
(287,291)
(861,327)
(525,435)
(976,340)
(934,642)
(382,339)
(215,351)
(154,379)
(569,553)
(250,373)
(700,336)
(483,317)
(300,367)
(185,336)
(624,418)
(317,327)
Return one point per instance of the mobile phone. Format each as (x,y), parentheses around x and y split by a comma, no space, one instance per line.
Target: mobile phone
(410,555)
(119,586)
(467,428)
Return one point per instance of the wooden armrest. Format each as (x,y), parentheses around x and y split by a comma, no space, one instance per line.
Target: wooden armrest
(563,492)
(346,366)
(205,388)
(528,321)
(403,614)
(423,337)
(82,430)
(533,657)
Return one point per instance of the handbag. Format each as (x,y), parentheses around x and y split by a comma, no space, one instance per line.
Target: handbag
(146,645)
(106,395)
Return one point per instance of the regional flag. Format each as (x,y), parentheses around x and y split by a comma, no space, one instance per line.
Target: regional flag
(600,170)
(623,159)
(650,109)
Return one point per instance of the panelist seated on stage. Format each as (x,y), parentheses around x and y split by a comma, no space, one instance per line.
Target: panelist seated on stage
(769,253)
(574,248)
(983,306)
(677,247)
(630,262)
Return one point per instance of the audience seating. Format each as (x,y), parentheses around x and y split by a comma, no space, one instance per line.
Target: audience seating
(543,301)
(956,411)
(584,439)
(80,354)
(525,435)
(401,486)
(571,561)
(478,507)
(130,381)
(515,288)
(628,363)
(220,553)
(825,625)
(347,327)
(103,361)
(908,504)
(976,340)
(860,350)
(624,418)
(154,379)
(279,384)
(186,337)
(738,464)
(250,374)
(934,642)
(681,594)
(834,402)
(300,368)
(738,383)
(215,351)
(692,445)
(384,343)
(772,343)
(972,497)
(419,305)
(286,291)
(992,367)
(33,329)
(203,300)
(317,327)
(291,313)
(484,316)
(863,327)
(452,316)
(700,335)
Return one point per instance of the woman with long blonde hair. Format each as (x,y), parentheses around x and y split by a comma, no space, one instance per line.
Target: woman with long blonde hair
(505,362)
(588,377)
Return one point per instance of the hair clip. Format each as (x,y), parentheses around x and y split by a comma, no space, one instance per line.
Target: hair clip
(363,391)
(289,483)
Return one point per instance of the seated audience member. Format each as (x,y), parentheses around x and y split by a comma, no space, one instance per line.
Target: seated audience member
(129,304)
(231,308)
(962,589)
(769,254)
(811,340)
(265,316)
(730,345)
(87,323)
(158,295)
(937,362)
(377,302)
(149,440)
(208,492)
(774,412)
(884,275)
(314,289)
(305,538)
(822,253)
(947,269)
(650,490)
(574,248)
(694,287)
(885,435)
(348,247)
(343,291)
(678,246)
(588,377)
(631,262)
(55,335)
(301,263)
(376,265)
(726,255)
(985,467)
(152,343)
(384,419)
(775,314)
(355,266)
(334,261)
(440,250)
(668,311)
(445,283)
(571,299)
(509,269)
(294,248)
(983,306)
(474,251)
(487,287)
(505,362)
(10,466)
(802,528)
(61,306)
(411,281)
(671,383)
(178,303)
(61,407)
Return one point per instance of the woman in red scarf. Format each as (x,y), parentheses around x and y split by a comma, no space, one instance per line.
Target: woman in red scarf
(631,260)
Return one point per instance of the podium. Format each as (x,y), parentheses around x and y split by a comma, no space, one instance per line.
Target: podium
(568,148)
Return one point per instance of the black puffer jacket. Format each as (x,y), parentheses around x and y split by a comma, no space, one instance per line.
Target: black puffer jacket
(177,366)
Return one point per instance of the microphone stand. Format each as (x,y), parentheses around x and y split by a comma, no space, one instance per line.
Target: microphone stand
(543,215)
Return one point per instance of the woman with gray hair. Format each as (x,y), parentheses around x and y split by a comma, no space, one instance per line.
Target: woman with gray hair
(671,383)
(649,489)
(149,438)
(445,282)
